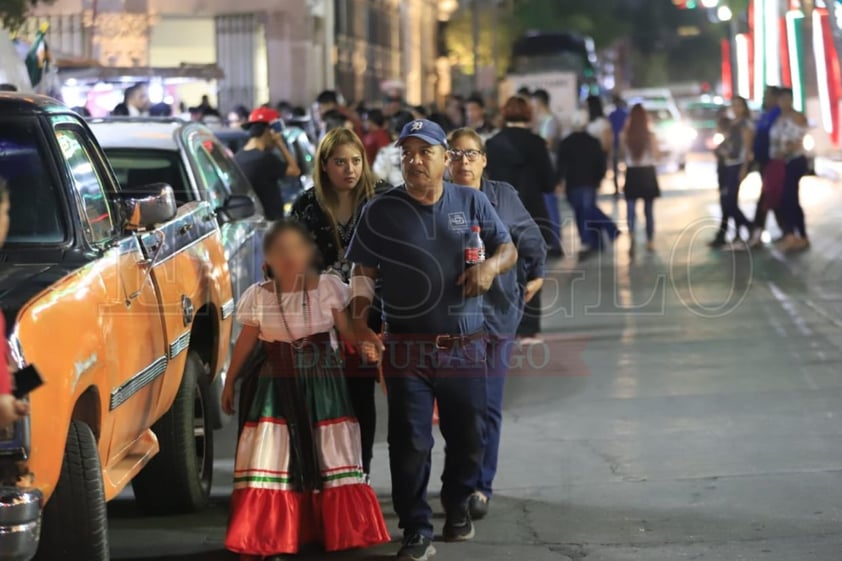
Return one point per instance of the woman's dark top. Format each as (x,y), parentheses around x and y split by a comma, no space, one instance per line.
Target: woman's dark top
(520,157)
(307,210)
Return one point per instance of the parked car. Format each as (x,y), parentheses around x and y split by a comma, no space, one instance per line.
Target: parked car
(188,156)
(702,114)
(123,303)
(675,137)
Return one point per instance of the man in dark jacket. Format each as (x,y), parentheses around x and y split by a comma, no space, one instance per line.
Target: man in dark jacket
(581,168)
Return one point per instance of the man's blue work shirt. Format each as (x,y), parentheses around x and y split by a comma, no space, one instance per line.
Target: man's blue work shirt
(761,135)
(504,301)
(420,253)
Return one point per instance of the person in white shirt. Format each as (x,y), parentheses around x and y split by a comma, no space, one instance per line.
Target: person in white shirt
(387,164)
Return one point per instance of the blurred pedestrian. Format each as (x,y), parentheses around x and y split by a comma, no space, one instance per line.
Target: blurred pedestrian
(617,118)
(547,126)
(736,150)
(787,144)
(455,110)
(505,300)
(238,116)
(11,409)
(762,156)
(434,330)
(387,165)
(392,105)
(599,126)
(581,168)
(642,155)
(476,116)
(328,101)
(723,125)
(342,184)
(297,476)
(262,165)
(334,119)
(519,157)
(376,136)
(136,100)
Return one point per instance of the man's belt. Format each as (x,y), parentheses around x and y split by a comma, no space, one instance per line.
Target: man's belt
(443,341)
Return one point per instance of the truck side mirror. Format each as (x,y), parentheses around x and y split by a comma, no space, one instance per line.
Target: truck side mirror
(145,207)
(237,207)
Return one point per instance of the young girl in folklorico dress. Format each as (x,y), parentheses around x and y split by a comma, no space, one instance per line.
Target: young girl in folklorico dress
(298,476)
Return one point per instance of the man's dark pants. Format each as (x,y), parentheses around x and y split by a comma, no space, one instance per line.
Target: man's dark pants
(417,375)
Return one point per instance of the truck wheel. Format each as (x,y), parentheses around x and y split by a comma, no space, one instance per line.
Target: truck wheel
(75,523)
(179,478)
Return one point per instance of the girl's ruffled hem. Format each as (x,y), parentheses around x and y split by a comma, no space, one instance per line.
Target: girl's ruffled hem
(271,522)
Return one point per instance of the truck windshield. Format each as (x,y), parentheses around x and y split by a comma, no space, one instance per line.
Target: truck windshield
(35,214)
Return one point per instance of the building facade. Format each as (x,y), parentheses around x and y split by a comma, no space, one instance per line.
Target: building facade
(268,50)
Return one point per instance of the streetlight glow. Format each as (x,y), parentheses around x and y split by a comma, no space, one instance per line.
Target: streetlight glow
(724,13)
(710,4)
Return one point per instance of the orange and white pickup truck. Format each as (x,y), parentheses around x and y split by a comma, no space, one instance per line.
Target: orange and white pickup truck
(123,303)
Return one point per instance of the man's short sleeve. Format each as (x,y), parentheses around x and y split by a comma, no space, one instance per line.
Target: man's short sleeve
(364,248)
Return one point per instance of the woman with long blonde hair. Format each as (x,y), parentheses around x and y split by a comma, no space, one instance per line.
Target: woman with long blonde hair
(343,184)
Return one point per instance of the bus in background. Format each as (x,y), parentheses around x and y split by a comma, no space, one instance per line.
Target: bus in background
(563,63)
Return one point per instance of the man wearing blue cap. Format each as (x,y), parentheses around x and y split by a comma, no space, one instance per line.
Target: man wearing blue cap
(414,238)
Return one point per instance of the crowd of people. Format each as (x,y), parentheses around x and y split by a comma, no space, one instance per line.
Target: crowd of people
(774,145)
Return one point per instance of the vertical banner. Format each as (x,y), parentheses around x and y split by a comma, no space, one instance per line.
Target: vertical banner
(742,45)
(828,72)
(795,49)
(758,39)
(727,70)
(786,67)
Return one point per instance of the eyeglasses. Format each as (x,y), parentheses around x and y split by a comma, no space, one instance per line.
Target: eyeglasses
(472,155)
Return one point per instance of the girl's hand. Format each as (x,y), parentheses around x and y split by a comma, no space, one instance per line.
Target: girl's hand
(370,352)
(228,399)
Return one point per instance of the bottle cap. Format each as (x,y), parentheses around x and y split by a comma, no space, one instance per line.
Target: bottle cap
(475,228)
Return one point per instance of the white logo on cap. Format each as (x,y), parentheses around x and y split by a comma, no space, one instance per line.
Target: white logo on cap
(417,126)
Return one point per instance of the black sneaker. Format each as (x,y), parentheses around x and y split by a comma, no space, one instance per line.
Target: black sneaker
(478,506)
(458,527)
(416,548)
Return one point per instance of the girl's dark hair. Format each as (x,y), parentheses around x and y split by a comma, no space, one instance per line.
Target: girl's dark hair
(4,189)
(282,227)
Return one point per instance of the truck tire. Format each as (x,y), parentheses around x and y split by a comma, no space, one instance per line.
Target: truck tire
(75,522)
(178,479)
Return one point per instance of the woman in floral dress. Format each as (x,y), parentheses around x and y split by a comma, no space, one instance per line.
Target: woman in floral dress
(298,475)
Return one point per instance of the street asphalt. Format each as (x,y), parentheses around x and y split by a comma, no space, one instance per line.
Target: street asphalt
(684,405)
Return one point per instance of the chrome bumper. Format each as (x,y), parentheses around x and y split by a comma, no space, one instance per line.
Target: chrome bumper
(20,523)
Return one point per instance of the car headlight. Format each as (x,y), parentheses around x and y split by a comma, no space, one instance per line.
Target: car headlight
(681,135)
(809,143)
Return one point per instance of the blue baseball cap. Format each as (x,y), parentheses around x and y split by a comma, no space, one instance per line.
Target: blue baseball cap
(425,130)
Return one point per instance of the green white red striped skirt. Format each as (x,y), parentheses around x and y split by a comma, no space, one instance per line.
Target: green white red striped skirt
(298,475)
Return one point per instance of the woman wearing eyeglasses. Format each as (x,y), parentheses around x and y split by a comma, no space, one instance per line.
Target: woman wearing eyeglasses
(504,303)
